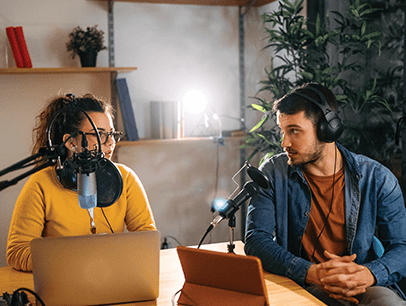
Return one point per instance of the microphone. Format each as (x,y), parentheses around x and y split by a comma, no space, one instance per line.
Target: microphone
(86,175)
(92,171)
(249,189)
(109,182)
(87,189)
(231,206)
(82,170)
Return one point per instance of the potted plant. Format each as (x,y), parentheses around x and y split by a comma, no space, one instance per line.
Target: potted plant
(86,44)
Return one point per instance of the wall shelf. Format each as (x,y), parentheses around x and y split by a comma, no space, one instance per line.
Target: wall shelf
(205,2)
(66,70)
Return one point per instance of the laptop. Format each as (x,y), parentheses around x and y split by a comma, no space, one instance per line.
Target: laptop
(97,269)
(218,278)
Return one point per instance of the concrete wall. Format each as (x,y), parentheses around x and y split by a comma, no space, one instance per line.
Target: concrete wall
(180,179)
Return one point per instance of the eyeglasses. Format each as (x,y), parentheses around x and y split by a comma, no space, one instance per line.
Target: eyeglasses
(104,136)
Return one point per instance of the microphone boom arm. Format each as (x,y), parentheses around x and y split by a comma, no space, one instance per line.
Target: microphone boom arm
(51,153)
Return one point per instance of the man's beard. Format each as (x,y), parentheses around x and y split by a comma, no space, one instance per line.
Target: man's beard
(314,155)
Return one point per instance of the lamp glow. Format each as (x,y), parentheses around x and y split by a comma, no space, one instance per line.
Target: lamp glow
(195,101)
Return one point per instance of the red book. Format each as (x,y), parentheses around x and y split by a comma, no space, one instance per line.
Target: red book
(23,47)
(14,47)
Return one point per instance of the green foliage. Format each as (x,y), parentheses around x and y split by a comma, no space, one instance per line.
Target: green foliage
(82,41)
(341,58)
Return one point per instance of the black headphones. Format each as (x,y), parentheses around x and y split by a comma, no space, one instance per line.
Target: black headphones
(330,127)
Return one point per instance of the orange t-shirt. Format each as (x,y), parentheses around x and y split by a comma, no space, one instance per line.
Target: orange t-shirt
(333,236)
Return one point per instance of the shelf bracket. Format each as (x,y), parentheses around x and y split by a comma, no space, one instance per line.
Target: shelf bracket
(242,107)
(113,75)
(110,20)
(248,7)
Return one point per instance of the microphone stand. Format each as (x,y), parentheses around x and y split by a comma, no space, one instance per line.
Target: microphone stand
(231,224)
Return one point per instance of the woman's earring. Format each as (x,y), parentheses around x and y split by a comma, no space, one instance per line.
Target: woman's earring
(73,148)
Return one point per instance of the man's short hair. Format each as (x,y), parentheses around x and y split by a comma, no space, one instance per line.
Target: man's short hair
(292,104)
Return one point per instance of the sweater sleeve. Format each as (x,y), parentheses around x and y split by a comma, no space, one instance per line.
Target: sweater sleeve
(27,223)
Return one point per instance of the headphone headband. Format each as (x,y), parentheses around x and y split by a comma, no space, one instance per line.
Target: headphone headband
(330,127)
(323,105)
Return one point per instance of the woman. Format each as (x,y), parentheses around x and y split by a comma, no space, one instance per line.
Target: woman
(45,208)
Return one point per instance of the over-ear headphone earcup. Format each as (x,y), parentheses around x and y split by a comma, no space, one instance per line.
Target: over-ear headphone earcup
(330,127)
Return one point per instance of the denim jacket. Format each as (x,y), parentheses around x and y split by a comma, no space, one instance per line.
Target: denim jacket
(374,205)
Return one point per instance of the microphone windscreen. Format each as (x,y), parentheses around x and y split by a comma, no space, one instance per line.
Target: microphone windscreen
(88,201)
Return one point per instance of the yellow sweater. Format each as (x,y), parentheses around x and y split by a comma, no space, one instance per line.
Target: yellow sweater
(45,208)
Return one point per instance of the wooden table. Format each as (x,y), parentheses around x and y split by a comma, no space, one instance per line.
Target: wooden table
(281,290)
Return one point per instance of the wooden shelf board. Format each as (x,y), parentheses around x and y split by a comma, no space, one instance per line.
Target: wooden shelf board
(66,70)
(205,2)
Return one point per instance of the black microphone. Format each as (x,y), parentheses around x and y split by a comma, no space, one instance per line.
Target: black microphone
(231,206)
(249,189)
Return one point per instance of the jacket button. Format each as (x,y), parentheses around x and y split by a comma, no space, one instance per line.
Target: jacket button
(307,213)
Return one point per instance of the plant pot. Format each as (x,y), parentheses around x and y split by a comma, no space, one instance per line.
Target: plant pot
(88,59)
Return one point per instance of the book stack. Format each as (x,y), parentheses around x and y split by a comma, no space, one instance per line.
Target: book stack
(19,47)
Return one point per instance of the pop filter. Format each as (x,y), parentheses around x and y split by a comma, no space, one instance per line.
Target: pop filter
(109,183)
(108,178)
(258,177)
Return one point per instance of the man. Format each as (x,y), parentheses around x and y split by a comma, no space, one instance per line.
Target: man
(317,222)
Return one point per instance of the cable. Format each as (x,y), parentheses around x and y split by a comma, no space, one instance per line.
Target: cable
(398,130)
(217,169)
(216,181)
(15,293)
(105,217)
(173,297)
(205,234)
(177,241)
(216,178)
(165,243)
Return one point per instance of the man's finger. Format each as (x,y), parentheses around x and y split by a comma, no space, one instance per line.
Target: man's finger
(337,264)
(347,258)
(346,288)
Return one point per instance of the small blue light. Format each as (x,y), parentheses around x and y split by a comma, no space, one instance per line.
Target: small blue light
(218,204)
